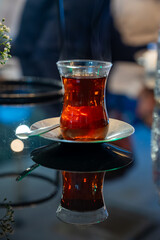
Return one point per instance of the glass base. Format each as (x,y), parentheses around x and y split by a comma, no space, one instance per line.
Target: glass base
(82,218)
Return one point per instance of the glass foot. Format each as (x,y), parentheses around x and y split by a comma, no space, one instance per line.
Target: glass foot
(82,218)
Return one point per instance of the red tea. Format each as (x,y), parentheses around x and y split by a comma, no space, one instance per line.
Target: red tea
(84,115)
(82,191)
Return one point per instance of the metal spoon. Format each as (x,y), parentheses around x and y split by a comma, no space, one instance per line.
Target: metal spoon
(36,132)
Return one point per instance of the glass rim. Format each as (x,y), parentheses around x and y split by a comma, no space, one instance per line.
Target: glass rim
(67,63)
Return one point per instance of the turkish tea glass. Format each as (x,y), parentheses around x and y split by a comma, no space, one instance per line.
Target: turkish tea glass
(84,114)
(82,199)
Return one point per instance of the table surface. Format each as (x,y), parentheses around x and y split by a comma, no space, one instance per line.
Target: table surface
(130,194)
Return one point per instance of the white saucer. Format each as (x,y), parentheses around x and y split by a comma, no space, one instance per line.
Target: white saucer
(117,130)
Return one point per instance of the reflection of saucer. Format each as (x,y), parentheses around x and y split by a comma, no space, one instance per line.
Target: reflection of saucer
(82,157)
(117,130)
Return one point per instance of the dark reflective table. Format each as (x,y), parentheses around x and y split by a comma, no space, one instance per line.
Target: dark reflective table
(130,193)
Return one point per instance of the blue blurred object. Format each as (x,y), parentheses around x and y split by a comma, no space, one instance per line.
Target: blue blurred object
(124,105)
(152,46)
(13,114)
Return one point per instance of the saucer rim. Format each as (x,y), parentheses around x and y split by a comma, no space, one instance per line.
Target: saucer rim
(62,140)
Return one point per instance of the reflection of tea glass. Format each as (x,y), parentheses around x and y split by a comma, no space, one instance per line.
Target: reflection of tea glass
(83,166)
(82,198)
(84,115)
